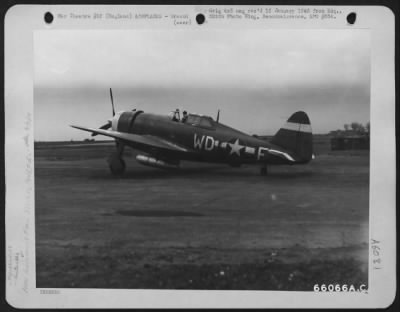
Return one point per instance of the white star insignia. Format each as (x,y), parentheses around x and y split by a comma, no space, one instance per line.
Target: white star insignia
(235,147)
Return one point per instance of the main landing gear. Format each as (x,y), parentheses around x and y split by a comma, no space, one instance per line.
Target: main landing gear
(264,170)
(116,164)
(115,161)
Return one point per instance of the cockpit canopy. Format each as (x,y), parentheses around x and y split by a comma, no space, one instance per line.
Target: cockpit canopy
(199,120)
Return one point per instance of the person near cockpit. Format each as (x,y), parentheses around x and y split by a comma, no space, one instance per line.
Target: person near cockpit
(175,115)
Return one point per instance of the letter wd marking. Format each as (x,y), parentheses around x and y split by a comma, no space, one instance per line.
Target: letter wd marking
(198,143)
(209,146)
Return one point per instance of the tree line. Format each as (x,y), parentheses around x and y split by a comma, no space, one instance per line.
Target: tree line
(355,128)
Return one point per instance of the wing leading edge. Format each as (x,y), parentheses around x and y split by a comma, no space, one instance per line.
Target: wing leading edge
(147,140)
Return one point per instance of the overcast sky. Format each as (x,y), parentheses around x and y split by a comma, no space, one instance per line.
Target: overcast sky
(258,78)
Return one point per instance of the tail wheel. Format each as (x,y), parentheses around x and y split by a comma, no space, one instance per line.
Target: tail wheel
(116,164)
(264,171)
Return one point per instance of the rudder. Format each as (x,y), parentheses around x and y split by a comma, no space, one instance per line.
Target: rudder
(296,136)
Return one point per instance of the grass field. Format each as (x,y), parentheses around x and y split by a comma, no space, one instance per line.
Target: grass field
(203,227)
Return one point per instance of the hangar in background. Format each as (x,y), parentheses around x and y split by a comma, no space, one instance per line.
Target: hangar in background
(353,142)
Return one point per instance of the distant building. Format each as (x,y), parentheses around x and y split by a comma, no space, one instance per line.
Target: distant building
(350,142)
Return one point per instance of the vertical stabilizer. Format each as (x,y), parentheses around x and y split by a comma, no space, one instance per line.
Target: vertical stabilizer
(296,136)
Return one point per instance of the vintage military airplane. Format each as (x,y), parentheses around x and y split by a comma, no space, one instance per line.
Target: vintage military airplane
(165,141)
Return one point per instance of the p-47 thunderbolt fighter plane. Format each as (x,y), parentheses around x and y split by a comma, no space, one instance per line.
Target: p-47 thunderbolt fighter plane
(165,141)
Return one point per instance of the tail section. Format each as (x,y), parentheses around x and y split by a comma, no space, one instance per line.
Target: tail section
(296,137)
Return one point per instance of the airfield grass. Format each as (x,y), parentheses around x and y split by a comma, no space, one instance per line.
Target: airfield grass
(203,227)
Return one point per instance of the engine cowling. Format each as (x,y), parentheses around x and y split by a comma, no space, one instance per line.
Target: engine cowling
(123,121)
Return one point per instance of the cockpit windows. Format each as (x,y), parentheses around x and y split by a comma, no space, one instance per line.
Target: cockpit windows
(193,120)
(205,122)
(201,121)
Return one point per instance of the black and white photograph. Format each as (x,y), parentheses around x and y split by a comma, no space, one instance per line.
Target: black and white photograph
(201,158)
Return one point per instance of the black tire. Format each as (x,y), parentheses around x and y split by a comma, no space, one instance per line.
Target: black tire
(263,171)
(117,165)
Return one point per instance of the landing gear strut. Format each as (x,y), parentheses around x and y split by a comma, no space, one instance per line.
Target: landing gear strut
(264,170)
(116,164)
(115,161)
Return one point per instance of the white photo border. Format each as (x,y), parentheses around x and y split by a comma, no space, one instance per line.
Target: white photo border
(20,23)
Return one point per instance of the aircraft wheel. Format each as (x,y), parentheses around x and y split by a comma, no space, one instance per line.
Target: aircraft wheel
(264,171)
(117,165)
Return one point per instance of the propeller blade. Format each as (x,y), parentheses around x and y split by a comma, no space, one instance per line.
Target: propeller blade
(104,127)
(112,103)
(218,117)
(108,124)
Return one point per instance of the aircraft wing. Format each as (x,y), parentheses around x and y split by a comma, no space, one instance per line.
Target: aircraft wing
(148,140)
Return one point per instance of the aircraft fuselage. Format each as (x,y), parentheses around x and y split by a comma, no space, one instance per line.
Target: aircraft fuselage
(205,139)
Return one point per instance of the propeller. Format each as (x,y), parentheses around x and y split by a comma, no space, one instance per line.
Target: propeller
(108,124)
(112,102)
(218,117)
